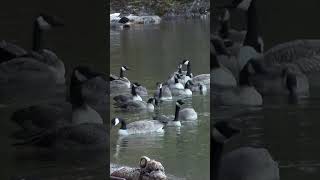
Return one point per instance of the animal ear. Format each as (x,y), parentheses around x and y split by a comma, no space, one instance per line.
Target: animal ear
(80,76)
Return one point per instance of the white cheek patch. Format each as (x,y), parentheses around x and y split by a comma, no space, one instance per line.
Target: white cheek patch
(80,76)
(186,63)
(116,121)
(160,86)
(123,69)
(226,16)
(43,23)
(244,5)
(260,41)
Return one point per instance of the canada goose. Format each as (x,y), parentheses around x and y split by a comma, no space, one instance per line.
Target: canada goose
(186,92)
(169,120)
(200,87)
(31,71)
(220,75)
(277,80)
(249,163)
(163,93)
(244,94)
(231,37)
(188,114)
(138,127)
(42,23)
(233,63)
(82,136)
(37,118)
(176,84)
(302,53)
(149,170)
(171,79)
(119,82)
(133,106)
(121,99)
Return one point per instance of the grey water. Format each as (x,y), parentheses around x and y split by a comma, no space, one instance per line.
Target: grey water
(153,53)
(81,41)
(289,131)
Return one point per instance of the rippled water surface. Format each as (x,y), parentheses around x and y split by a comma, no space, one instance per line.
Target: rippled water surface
(153,53)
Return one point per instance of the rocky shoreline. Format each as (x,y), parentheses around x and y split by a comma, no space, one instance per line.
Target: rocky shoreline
(166,9)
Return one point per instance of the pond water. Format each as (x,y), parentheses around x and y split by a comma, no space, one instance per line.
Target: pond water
(153,53)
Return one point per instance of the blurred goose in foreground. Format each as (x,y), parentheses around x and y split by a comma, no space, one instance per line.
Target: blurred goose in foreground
(303,53)
(149,170)
(34,70)
(42,117)
(137,127)
(248,163)
(225,90)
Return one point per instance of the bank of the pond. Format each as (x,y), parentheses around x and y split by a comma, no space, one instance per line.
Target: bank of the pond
(162,8)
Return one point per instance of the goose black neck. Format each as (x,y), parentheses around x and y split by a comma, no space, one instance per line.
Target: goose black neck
(225,27)
(253,33)
(160,92)
(187,85)
(176,115)
(75,93)
(189,69)
(216,150)
(214,61)
(121,73)
(123,124)
(37,37)
(244,76)
(180,70)
(133,91)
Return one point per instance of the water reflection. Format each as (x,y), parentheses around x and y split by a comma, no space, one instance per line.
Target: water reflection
(153,53)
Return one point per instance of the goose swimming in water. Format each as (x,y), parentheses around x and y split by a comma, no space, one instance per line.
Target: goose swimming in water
(248,163)
(169,120)
(61,125)
(121,99)
(186,92)
(303,53)
(37,118)
(231,37)
(121,81)
(31,71)
(231,94)
(188,114)
(138,127)
(201,78)
(136,106)
(220,75)
(176,84)
(163,93)
(281,80)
